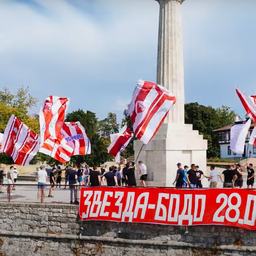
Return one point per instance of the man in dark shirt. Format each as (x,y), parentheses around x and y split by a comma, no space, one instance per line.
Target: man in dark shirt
(229,177)
(111,177)
(130,175)
(239,173)
(1,178)
(72,177)
(124,178)
(179,176)
(94,179)
(250,176)
(191,177)
(200,175)
(52,181)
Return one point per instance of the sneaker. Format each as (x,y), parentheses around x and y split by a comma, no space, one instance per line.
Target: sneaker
(1,192)
(50,196)
(76,202)
(71,202)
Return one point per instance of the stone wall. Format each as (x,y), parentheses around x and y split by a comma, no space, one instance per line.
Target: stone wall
(48,229)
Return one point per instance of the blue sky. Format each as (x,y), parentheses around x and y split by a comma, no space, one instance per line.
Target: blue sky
(94,51)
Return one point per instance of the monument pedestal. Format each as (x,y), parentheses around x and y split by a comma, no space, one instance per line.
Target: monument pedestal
(174,143)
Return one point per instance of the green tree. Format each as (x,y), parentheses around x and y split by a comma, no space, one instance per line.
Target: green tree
(206,119)
(108,125)
(19,105)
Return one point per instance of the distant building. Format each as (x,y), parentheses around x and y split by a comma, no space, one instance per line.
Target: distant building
(224,141)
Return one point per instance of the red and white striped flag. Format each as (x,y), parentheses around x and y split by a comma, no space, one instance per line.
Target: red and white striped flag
(149,106)
(119,141)
(76,138)
(249,103)
(19,142)
(52,116)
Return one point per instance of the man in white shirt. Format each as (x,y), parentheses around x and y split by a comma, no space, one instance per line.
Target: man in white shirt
(213,177)
(42,177)
(15,176)
(143,174)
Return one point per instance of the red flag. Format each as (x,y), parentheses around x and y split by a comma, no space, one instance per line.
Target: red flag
(249,103)
(119,141)
(149,106)
(19,142)
(76,138)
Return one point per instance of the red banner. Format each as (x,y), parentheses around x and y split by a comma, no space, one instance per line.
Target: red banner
(231,207)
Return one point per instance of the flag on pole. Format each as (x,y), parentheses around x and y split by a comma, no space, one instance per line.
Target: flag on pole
(252,140)
(19,142)
(249,103)
(75,136)
(119,141)
(238,135)
(148,108)
(52,116)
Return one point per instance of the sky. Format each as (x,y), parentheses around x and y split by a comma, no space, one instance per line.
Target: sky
(94,51)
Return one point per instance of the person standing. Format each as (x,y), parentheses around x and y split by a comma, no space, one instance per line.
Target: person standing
(72,177)
(118,176)
(239,174)
(124,177)
(229,177)
(111,178)
(213,177)
(42,176)
(2,172)
(200,175)
(185,180)
(250,176)
(10,180)
(86,175)
(179,176)
(52,181)
(143,174)
(130,175)
(80,175)
(94,179)
(191,177)
(59,174)
(15,176)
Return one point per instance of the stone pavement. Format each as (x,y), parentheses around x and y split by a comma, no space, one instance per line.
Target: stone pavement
(29,194)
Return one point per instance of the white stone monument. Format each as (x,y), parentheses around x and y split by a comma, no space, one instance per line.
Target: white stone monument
(175,141)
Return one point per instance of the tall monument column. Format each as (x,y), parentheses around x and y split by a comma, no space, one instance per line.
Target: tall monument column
(175,142)
(170,68)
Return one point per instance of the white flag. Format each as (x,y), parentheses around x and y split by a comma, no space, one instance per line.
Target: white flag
(252,140)
(238,135)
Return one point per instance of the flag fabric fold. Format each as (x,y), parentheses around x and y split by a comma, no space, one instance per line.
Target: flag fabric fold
(19,142)
(249,103)
(252,140)
(52,116)
(238,135)
(119,141)
(148,108)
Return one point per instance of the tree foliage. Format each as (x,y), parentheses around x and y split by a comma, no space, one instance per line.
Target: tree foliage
(206,119)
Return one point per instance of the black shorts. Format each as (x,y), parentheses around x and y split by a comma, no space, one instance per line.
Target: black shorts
(238,183)
(250,182)
(15,180)
(1,181)
(52,184)
(143,177)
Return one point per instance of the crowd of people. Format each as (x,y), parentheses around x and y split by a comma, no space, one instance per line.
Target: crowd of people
(232,177)
(85,176)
